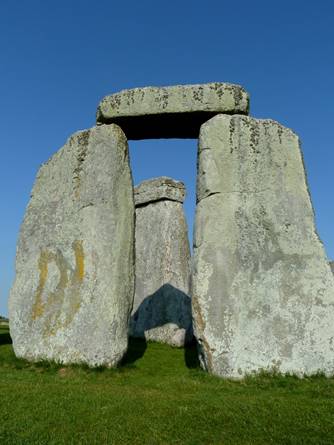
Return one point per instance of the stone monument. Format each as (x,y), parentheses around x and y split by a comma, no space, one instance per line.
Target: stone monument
(262,289)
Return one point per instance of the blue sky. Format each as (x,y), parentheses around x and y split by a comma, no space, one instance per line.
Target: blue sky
(58,59)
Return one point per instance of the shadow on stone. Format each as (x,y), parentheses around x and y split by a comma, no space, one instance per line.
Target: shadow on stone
(136,350)
(191,354)
(164,316)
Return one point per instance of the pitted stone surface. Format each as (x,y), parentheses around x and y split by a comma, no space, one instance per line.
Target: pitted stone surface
(263,291)
(162,307)
(74,285)
(158,189)
(173,111)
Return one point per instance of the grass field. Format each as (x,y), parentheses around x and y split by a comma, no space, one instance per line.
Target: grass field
(158,396)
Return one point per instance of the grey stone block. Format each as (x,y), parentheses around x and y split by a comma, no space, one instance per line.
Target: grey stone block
(74,286)
(162,307)
(263,291)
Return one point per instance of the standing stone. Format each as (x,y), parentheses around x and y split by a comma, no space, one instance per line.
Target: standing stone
(162,309)
(263,291)
(74,285)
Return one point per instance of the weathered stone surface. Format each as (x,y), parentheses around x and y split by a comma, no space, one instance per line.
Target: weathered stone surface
(174,111)
(263,291)
(74,285)
(331,263)
(158,189)
(162,308)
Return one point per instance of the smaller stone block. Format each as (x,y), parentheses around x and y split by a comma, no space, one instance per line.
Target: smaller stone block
(158,189)
(162,306)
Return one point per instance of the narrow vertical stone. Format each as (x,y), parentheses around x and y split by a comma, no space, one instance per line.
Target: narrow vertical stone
(74,285)
(263,291)
(162,310)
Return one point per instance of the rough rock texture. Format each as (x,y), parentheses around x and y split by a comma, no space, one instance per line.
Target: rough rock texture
(174,111)
(74,285)
(162,308)
(158,189)
(263,291)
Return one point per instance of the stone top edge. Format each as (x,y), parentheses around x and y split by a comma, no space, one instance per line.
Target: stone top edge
(160,180)
(176,86)
(265,121)
(157,189)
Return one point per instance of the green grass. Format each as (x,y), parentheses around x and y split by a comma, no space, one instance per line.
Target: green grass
(158,396)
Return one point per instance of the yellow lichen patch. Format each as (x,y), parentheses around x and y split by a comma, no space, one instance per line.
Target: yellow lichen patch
(56,298)
(79,261)
(74,302)
(64,301)
(38,306)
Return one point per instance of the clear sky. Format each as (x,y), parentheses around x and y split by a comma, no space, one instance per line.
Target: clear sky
(59,58)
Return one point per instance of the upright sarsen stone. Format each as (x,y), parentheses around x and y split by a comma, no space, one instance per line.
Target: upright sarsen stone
(73,292)
(263,291)
(162,310)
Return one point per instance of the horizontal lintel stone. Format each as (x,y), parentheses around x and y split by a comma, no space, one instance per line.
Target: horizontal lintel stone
(171,112)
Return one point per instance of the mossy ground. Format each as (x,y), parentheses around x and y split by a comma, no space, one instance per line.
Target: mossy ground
(158,396)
